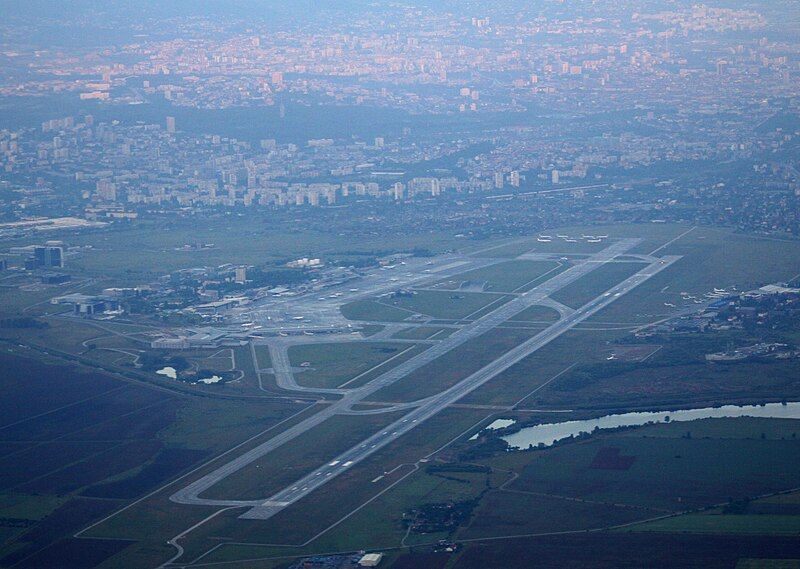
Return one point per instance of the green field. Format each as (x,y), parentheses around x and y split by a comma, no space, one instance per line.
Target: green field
(693,467)
(424,333)
(446,305)
(677,374)
(504,513)
(371,310)
(536,313)
(347,364)
(595,283)
(453,367)
(727,259)
(716,523)
(552,363)
(556,489)
(509,276)
(263,357)
(372,526)
(292,461)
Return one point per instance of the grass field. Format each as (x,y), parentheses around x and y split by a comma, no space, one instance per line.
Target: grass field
(423,333)
(689,469)
(558,490)
(677,374)
(150,248)
(446,305)
(508,276)
(333,365)
(536,313)
(292,461)
(85,444)
(717,523)
(371,526)
(543,371)
(516,513)
(727,259)
(453,367)
(595,283)
(371,310)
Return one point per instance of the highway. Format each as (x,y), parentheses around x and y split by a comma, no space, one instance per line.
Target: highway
(266,508)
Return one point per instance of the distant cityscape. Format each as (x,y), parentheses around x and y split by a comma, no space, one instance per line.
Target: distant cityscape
(699,103)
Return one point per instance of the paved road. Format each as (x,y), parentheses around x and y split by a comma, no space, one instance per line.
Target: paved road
(266,508)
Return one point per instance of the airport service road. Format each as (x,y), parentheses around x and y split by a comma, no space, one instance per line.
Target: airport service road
(191,493)
(435,404)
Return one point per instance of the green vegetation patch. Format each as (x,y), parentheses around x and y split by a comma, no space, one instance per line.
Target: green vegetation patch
(508,276)
(446,305)
(292,461)
(595,283)
(666,473)
(716,523)
(504,512)
(331,365)
(536,313)
(423,333)
(371,310)
(454,366)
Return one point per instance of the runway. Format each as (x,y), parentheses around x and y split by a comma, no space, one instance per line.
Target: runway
(265,508)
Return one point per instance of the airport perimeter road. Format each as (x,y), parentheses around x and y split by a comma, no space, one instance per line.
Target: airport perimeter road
(435,404)
(191,493)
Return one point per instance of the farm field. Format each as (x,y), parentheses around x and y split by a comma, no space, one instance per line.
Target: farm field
(85,444)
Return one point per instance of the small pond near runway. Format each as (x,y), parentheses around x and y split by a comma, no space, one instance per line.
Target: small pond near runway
(170,372)
(547,434)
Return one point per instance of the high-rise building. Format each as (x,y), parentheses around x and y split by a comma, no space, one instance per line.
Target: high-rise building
(555,176)
(240,276)
(48,256)
(171,125)
(499,180)
(514,179)
(106,190)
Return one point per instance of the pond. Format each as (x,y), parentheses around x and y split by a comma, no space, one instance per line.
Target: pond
(493,426)
(210,380)
(550,433)
(170,372)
